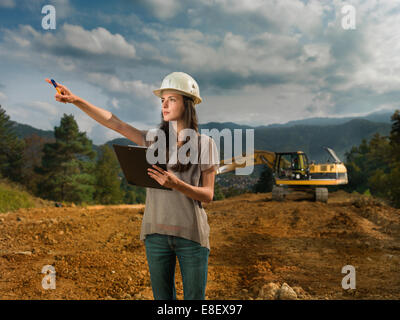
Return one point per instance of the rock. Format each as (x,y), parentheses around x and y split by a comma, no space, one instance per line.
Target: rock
(268,291)
(25,253)
(286,293)
(300,292)
(138,296)
(61,232)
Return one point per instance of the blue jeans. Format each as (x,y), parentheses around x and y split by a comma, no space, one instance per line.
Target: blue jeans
(161,252)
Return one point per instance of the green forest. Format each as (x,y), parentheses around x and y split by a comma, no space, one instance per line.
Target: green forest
(374,166)
(64,168)
(67,167)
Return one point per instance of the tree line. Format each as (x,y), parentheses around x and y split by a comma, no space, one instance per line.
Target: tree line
(65,168)
(374,166)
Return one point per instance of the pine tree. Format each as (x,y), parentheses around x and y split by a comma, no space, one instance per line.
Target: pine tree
(32,157)
(395,135)
(133,194)
(67,165)
(393,180)
(108,184)
(11,149)
(265,182)
(218,193)
(356,164)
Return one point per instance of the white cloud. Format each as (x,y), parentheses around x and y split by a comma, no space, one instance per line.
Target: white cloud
(100,134)
(45,107)
(263,105)
(3,97)
(382,73)
(386,107)
(317,55)
(369,56)
(283,14)
(64,9)
(263,53)
(97,41)
(113,84)
(7,4)
(260,54)
(115,103)
(146,50)
(153,34)
(38,114)
(164,9)
(247,46)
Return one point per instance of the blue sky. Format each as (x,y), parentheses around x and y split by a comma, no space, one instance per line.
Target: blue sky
(256,62)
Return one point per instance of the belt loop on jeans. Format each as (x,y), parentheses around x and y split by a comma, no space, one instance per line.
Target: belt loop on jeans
(171,242)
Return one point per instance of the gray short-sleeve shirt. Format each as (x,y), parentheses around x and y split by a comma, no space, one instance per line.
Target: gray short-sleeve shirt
(174,213)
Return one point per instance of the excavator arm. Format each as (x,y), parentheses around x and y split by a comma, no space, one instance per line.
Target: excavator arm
(258,157)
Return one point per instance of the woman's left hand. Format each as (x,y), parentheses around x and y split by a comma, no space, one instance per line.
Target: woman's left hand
(165,178)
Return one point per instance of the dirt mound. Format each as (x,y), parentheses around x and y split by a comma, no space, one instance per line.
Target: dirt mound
(260,249)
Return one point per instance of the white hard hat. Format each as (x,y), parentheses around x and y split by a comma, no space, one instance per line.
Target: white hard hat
(181,82)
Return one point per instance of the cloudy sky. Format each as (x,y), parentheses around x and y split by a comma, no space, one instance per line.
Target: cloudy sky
(256,62)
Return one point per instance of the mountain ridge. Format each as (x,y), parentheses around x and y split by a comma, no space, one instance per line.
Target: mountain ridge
(298,136)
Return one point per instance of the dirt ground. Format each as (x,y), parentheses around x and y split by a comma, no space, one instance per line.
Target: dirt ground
(97,254)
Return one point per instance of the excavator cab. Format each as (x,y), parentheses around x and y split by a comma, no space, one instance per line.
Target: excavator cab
(291,165)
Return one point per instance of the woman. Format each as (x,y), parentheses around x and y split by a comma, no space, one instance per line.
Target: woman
(174,222)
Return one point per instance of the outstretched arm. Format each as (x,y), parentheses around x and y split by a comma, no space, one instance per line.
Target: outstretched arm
(102,116)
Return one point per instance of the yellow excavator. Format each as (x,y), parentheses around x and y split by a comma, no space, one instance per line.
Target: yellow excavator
(293,171)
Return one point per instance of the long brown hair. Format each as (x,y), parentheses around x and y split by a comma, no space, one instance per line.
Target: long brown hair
(190,121)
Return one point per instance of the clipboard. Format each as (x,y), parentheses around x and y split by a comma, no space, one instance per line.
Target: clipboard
(133,162)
